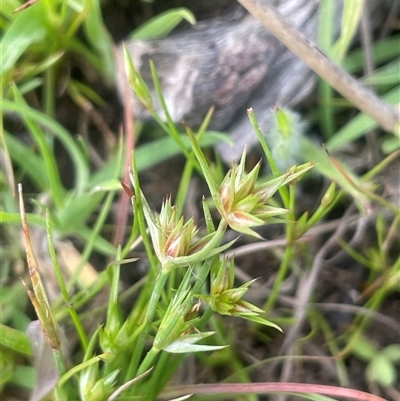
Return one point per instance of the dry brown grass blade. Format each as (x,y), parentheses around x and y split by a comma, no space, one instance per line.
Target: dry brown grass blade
(364,99)
(38,297)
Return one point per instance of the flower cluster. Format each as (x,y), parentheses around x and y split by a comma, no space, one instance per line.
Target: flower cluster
(242,202)
(175,241)
(174,238)
(227,300)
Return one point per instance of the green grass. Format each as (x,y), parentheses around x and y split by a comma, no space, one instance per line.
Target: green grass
(98,339)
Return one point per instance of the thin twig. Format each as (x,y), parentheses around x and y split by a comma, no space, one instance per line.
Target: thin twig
(339,79)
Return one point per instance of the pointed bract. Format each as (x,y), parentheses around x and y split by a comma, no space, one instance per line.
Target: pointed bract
(242,201)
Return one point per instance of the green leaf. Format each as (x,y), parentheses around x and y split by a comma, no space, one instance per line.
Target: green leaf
(387,75)
(7,9)
(7,367)
(150,154)
(30,85)
(28,27)
(32,218)
(390,144)
(359,125)
(77,5)
(46,152)
(260,320)
(181,347)
(79,161)
(352,12)
(15,340)
(383,51)
(364,349)
(112,184)
(30,163)
(162,24)
(100,40)
(100,244)
(186,344)
(24,376)
(77,209)
(382,371)
(392,352)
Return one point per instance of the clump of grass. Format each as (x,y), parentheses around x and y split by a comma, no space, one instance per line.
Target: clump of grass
(190,281)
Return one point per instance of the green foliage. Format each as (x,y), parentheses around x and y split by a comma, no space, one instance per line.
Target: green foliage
(162,24)
(48,28)
(381,368)
(177,305)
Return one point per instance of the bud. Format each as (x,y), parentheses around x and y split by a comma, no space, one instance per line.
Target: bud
(226,300)
(175,242)
(137,83)
(284,139)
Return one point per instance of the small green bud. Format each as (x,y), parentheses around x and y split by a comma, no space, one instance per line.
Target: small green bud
(136,81)
(284,122)
(285,136)
(87,380)
(103,388)
(329,195)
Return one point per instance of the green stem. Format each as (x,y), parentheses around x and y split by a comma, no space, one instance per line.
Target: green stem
(168,364)
(49,100)
(287,256)
(184,186)
(151,310)
(332,343)
(361,321)
(235,364)
(274,168)
(60,362)
(61,283)
(166,367)
(95,233)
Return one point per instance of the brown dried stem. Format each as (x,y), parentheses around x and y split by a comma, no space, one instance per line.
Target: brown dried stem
(361,97)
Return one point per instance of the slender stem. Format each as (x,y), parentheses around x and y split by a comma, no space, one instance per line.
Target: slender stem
(287,256)
(361,321)
(183,189)
(49,100)
(148,360)
(263,142)
(61,283)
(91,242)
(167,364)
(282,272)
(151,310)
(234,361)
(332,343)
(60,362)
(274,168)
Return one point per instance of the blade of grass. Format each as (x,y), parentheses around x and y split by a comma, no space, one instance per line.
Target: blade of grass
(162,24)
(51,171)
(27,28)
(15,340)
(359,125)
(64,292)
(79,162)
